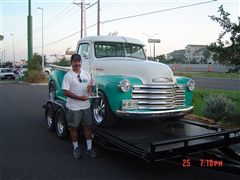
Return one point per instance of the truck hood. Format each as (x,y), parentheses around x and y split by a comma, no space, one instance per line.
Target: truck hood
(148,72)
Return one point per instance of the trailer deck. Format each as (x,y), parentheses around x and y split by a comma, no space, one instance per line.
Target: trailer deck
(153,140)
(157,140)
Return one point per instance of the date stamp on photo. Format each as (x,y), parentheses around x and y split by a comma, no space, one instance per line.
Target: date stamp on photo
(211,163)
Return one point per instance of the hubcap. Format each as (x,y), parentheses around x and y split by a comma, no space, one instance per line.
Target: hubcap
(60,125)
(49,120)
(99,110)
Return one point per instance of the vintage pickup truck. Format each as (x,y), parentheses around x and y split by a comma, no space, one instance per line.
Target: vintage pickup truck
(129,85)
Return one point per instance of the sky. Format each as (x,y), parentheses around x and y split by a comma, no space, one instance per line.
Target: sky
(176,23)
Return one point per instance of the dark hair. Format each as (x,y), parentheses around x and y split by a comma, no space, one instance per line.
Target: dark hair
(76,57)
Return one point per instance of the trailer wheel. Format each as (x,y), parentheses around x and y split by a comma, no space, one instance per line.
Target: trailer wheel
(102,113)
(61,124)
(49,117)
(52,91)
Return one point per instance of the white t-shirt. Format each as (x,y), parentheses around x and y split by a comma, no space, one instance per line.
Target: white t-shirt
(71,82)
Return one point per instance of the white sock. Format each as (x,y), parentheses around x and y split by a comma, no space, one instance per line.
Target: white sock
(75,144)
(89,144)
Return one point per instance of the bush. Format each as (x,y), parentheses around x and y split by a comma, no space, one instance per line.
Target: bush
(218,107)
(63,62)
(35,63)
(35,76)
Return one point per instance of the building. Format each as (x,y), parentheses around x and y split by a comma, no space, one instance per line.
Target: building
(198,54)
(178,55)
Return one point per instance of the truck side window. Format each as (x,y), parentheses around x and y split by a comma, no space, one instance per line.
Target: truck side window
(83,49)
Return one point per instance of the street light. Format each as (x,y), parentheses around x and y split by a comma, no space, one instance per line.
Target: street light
(39,8)
(13,49)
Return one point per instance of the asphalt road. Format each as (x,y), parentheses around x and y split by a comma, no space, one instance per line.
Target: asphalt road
(29,151)
(217,83)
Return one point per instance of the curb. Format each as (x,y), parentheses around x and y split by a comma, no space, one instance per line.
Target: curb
(39,84)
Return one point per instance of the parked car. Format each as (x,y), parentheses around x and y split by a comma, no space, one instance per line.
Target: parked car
(6,73)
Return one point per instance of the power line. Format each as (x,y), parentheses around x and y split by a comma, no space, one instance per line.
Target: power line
(154,12)
(133,16)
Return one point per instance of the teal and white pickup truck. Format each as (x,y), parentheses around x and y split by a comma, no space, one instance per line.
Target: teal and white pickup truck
(129,86)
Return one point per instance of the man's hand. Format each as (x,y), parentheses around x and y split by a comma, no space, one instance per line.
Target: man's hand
(73,96)
(90,87)
(83,98)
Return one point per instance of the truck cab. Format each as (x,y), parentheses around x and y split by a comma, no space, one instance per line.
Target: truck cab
(129,85)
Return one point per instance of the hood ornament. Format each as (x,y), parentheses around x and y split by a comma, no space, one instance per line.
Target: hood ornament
(161,79)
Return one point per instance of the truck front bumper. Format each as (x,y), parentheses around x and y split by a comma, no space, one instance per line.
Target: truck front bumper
(154,114)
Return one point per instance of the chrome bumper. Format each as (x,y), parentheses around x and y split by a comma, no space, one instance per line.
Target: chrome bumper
(154,114)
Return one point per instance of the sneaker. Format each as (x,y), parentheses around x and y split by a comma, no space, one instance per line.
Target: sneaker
(77,153)
(92,153)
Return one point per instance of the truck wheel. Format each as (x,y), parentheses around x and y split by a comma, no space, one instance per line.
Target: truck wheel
(52,91)
(61,124)
(102,113)
(49,117)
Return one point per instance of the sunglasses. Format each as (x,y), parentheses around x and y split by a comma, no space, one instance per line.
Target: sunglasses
(79,78)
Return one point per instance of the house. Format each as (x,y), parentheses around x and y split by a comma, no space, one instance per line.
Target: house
(198,54)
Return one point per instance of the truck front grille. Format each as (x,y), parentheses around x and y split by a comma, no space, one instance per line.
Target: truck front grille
(159,97)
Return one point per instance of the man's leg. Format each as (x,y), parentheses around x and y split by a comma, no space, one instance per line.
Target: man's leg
(74,136)
(73,122)
(88,136)
(87,127)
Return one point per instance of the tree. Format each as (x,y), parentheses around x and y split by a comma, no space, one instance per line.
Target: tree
(63,62)
(161,58)
(35,63)
(206,55)
(228,52)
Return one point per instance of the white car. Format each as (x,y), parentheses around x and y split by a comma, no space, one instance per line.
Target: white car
(6,73)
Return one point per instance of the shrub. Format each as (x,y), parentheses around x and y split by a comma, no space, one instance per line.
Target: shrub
(218,107)
(63,62)
(34,76)
(35,63)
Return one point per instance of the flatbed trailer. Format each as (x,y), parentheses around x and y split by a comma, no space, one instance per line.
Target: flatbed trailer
(166,140)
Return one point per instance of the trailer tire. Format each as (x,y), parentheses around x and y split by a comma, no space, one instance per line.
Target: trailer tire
(52,91)
(101,112)
(61,124)
(49,117)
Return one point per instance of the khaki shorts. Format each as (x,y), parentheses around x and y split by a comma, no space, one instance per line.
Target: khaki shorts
(82,117)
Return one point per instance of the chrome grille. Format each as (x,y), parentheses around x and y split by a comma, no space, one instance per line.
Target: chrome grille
(159,97)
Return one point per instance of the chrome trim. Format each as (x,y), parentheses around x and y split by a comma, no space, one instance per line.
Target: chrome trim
(159,97)
(152,114)
(164,85)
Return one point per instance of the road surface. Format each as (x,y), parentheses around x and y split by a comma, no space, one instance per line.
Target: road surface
(29,151)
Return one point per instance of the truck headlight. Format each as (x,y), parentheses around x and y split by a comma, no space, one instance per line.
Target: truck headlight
(124,85)
(191,85)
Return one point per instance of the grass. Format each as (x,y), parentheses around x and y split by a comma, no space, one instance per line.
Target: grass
(208,74)
(198,102)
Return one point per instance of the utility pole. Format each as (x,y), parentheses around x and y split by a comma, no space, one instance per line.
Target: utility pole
(41,9)
(81,21)
(98,18)
(29,27)
(13,49)
(83,26)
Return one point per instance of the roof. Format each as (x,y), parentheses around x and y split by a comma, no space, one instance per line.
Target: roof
(112,39)
(195,45)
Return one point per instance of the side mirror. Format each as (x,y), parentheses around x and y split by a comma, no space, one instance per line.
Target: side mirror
(85,55)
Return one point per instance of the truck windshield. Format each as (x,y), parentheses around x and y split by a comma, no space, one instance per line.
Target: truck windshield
(118,49)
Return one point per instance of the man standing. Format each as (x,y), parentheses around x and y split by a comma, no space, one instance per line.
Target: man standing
(77,85)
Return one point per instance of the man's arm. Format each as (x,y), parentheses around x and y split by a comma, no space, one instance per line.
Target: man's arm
(69,94)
